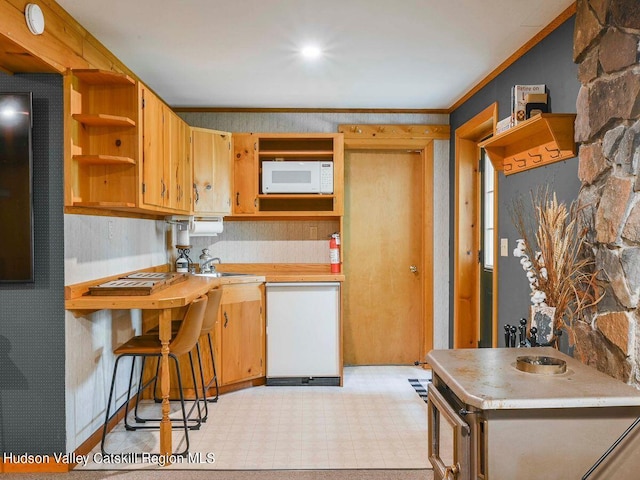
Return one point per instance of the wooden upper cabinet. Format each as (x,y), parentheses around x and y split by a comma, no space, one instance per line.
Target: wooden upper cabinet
(125,150)
(245,174)
(252,150)
(166,172)
(101,135)
(154,176)
(211,157)
(181,167)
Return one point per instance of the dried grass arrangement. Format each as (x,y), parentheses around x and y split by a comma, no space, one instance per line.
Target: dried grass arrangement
(561,272)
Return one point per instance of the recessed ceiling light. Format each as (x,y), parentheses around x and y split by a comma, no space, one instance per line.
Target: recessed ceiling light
(311,52)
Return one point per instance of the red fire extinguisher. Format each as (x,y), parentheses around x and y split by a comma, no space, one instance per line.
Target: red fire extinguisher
(334,253)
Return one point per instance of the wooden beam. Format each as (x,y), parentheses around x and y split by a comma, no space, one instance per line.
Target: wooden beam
(381,135)
(64,44)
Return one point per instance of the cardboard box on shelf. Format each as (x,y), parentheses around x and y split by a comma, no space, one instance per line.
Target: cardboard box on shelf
(535,103)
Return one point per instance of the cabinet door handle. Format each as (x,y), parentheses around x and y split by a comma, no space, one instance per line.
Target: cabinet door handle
(164,187)
(255,202)
(195,189)
(238,199)
(226,319)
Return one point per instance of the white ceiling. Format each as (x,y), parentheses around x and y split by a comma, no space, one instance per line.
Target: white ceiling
(396,54)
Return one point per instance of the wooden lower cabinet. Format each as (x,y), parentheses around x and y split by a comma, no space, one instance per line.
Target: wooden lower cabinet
(241,335)
(238,341)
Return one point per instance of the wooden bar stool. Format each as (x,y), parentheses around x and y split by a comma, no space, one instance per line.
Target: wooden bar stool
(208,324)
(145,346)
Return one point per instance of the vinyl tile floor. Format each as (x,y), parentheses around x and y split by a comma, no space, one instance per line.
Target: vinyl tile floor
(375,421)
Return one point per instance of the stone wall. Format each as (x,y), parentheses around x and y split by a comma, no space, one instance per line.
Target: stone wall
(606,44)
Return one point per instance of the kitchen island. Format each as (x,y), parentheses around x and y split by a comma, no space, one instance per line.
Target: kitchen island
(164,302)
(489,420)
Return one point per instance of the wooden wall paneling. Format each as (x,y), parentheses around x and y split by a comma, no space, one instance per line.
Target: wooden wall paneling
(65,43)
(377,132)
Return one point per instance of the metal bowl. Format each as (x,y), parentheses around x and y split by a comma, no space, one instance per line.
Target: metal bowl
(541,364)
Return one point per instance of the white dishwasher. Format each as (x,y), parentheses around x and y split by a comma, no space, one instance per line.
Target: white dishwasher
(303,333)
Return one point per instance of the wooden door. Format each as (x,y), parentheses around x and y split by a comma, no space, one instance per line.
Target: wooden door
(242,334)
(383,299)
(154,179)
(211,171)
(179,163)
(222,173)
(202,158)
(245,178)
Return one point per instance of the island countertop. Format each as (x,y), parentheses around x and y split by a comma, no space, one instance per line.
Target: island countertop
(486,378)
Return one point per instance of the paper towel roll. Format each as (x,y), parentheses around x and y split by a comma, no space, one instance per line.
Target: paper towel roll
(204,228)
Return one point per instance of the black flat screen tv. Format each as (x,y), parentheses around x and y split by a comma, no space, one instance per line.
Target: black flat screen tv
(16,201)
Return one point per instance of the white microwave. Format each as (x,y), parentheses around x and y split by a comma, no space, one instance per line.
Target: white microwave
(297,177)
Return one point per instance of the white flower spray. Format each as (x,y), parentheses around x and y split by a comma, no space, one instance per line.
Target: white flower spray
(538,297)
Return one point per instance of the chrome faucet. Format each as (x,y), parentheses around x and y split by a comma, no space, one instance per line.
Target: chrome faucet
(208,265)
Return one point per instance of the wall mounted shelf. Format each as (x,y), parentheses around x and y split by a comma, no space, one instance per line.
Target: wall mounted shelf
(103,120)
(541,140)
(104,160)
(103,77)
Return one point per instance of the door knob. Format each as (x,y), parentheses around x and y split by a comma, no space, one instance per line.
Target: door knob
(413,269)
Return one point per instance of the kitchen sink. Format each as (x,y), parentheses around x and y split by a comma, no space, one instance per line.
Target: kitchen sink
(220,274)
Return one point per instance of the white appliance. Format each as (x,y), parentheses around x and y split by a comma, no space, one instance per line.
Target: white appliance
(297,177)
(303,333)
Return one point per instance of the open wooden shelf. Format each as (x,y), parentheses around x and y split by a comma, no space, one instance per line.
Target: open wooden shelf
(297,153)
(541,140)
(103,77)
(104,160)
(313,196)
(103,120)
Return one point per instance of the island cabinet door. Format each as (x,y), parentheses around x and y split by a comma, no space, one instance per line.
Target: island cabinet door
(450,446)
(241,327)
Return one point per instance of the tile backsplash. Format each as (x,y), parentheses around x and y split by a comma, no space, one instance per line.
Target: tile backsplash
(269,241)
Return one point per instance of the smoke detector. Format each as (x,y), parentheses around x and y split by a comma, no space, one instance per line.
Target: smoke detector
(35,18)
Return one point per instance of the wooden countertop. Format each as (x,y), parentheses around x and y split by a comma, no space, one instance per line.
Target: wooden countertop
(288,272)
(173,296)
(183,293)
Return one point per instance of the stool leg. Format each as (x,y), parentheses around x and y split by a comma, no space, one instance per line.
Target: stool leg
(204,387)
(140,388)
(184,411)
(215,373)
(107,418)
(126,408)
(197,400)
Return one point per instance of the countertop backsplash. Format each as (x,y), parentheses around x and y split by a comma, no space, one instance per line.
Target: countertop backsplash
(268,241)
